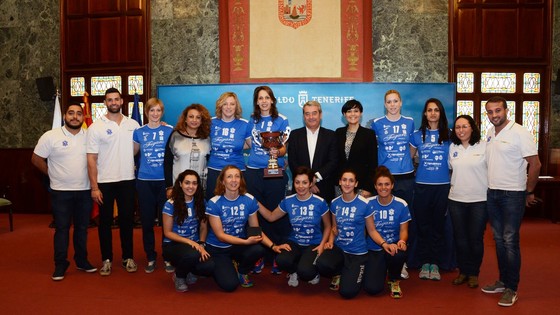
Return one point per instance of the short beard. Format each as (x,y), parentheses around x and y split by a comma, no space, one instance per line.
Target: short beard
(71,126)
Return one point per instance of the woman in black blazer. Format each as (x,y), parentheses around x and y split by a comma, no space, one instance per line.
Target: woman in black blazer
(357,147)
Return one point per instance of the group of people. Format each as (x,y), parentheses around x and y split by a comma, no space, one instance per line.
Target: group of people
(356,205)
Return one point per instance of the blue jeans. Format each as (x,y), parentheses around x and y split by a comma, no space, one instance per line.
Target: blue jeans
(469,222)
(505,211)
(71,207)
(151,198)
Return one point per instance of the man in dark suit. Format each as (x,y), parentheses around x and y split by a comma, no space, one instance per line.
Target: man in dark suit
(315,147)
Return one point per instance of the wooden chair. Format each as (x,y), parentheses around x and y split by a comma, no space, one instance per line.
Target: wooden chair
(5,203)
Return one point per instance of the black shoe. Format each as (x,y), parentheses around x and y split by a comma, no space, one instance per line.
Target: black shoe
(59,272)
(87,267)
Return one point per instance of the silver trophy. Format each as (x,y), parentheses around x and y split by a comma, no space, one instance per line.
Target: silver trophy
(268,140)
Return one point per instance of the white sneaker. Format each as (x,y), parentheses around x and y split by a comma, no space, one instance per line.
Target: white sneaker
(293,280)
(315,280)
(404,272)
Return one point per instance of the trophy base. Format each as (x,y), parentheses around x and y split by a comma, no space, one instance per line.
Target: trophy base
(273,173)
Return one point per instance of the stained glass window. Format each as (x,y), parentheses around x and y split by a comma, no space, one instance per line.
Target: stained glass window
(531,83)
(100,84)
(77,86)
(531,118)
(135,84)
(140,108)
(465,82)
(98,110)
(485,123)
(495,82)
(465,108)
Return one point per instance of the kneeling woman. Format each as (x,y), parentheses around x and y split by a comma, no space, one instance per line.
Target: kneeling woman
(352,217)
(185,228)
(306,212)
(391,216)
(230,211)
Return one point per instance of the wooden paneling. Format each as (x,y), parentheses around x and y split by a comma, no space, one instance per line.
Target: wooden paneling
(77,32)
(105,38)
(467,37)
(504,36)
(499,38)
(104,6)
(134,5)
(134,39)
(105,41)
(532,33)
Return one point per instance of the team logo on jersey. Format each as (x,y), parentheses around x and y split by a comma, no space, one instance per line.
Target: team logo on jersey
(294,13)
(109,132)
(64,143)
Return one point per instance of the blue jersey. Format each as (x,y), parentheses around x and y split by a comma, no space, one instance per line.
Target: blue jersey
(189,227)
(234,215)
(227,140)
(388,220)
(393,139)
(433,168)
(258,158)
(351,223)
(305,217)
(152,149)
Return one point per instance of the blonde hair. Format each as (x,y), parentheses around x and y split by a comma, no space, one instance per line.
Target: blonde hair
(222,99)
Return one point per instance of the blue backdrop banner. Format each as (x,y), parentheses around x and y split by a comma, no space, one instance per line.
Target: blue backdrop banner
(292,96)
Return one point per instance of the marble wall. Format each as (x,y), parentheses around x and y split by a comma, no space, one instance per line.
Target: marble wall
(409,45)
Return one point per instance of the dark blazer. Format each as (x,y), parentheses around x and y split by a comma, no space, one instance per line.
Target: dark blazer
(324,161)
(362,157)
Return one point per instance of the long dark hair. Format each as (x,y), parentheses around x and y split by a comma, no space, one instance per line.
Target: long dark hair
(257,110)
(443,126)
(178,197)
(475,135)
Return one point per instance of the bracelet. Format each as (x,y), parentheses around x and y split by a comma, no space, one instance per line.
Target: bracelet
(201,243)
(272,245)
(382,243)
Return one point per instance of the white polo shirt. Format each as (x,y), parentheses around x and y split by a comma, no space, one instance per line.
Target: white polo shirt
(66,159)
(505,154)
(469,179)
(114,147)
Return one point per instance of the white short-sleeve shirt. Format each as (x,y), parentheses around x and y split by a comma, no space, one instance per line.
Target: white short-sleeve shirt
(469,179)
(505,154)
(114,148)
(66,159)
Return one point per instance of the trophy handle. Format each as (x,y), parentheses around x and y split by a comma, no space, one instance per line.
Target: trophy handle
(286,135)
(256,137)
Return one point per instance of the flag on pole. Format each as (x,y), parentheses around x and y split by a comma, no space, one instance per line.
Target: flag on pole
(87,122)
(87,112)
(136,109)
(57,116)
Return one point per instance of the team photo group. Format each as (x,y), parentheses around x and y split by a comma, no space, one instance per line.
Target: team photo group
(362,202)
